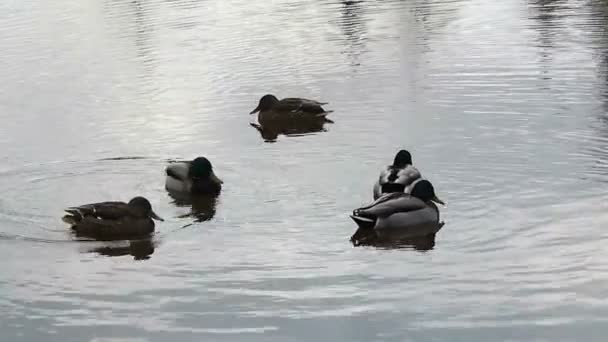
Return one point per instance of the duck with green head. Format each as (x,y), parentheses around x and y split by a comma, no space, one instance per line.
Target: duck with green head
(271,109)
(397,177)
(194,177)
(112,220)
(397,215)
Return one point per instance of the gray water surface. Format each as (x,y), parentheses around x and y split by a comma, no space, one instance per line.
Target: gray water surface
(503,104)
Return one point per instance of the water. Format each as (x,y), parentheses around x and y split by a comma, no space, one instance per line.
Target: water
(503,105)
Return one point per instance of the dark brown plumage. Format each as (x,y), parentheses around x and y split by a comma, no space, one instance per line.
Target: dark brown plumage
(112,220)
(271,109)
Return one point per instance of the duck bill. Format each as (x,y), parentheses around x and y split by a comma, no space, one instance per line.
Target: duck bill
(257,109)
(215,178)
(437,200)
(156,217)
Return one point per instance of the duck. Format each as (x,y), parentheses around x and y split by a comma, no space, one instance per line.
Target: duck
(271,109)
(398,215)
(193,177)
(112,220)
(397,177)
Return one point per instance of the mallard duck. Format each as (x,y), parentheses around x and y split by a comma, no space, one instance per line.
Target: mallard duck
(112,220)
(195,177)
(397,177)
(289,109)
(397,215)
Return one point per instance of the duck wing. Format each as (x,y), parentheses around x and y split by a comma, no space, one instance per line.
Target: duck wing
(92,226)
(178,170)
(389,204)
(407,175)
(408,224)
(394,179)
(112,229)
(293,104)
(103,210)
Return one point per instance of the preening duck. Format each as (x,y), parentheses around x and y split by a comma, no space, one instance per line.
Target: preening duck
(397,177)
(399,215)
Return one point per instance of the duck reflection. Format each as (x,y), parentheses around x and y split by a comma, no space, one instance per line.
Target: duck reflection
(139,249)
(421,243)
(365,236)
(202,206)
(271,131)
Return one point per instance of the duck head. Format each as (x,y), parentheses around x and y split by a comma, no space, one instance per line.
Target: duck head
(403,158)
(142,207)
(425,191)
(201,169)
(266,103)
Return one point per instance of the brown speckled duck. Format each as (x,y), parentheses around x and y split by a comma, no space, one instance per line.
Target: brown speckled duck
(271,109)
(112,220)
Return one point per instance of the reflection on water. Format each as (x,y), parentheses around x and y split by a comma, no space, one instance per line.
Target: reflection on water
(421,243)
(600,16)
(367,237)
(544,11)
(202,206)
(271,131)
(139,249)
(352,24)
(503,105)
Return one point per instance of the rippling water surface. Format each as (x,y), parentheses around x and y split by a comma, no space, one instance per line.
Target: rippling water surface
(502,103)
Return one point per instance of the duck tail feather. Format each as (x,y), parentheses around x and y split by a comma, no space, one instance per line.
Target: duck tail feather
(73,216)
(171,173)
(69,219)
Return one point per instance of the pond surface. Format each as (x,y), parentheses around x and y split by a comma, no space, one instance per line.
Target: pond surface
(503,105)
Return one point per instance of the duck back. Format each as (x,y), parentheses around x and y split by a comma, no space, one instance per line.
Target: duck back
(393,179)
(177,177)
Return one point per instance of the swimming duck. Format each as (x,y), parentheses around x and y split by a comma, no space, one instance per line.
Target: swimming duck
(195,177)
(397,177)
(271,109)
(395,216)
(112,220)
